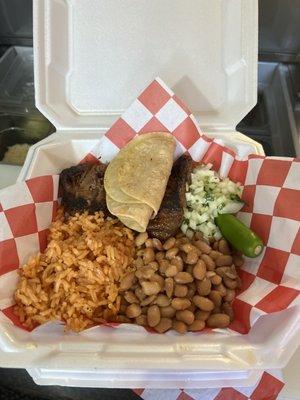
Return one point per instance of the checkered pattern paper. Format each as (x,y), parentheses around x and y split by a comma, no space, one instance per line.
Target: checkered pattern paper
(270,283)
(268,387)
(26,211)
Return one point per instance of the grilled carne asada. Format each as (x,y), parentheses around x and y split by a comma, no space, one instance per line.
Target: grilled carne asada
(82,188)
(170,215)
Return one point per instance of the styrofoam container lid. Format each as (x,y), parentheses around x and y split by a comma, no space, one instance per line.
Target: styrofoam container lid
(93,58)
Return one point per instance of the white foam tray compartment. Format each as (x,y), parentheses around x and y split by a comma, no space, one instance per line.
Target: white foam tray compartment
(104,357)
(54,356)
(143,379)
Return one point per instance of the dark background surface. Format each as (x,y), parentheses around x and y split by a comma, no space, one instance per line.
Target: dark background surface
(270,123)
(16,384)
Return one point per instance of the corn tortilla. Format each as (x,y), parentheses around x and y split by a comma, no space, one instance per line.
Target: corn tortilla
(111,181)
(134,213)
(135,180)
(145,172)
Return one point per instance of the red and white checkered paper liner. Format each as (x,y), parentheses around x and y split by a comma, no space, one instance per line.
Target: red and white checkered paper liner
(270,283)
(267,388)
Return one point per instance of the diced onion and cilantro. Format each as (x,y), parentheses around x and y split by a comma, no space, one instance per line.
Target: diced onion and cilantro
(207,196)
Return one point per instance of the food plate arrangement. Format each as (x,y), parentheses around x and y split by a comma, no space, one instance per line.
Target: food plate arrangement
(176,273)
(208,301)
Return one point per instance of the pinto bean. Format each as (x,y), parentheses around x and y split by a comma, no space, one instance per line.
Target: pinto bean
(214,254)
(141,239)
(238,260)
(223,260)
(227,309)
(180,303)
(203,247)
(130,297)
(148,300)
(169,243)
(199,270)
(141,320)
(197,325)
(210,264)
(133,311)
(179,326)
(218,320)
(148,255)
(177,260)
(183,277)
(171,253)
(180,290)
(216,280)
(128,281)
(230,283)
(185,316)
(169,286)
(204,287)
(164,325)
(157,244)
(167,312)
(230,294)
(162,300)
(163,266)
(153,316)
(202,315)
(171,271)
(150,288)
(224,247)
(215,297)
(159,279)
(203,303)
(192,257)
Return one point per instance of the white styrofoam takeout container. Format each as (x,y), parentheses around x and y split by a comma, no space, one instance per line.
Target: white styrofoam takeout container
(92,58)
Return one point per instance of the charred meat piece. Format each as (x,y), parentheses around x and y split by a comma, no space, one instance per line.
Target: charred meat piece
(82,188)
(170,215)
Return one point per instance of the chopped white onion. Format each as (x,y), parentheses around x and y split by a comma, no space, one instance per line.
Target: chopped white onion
(207,196)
